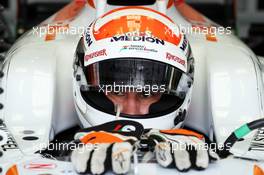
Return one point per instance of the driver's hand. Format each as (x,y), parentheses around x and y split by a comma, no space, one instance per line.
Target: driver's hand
(103,151)
(182,149)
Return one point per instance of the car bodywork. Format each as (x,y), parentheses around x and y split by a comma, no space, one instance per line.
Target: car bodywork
(37,99)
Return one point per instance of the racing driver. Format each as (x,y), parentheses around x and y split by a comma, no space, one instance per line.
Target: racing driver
(133,66)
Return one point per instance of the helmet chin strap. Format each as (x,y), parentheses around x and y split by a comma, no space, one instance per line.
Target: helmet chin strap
(118,109)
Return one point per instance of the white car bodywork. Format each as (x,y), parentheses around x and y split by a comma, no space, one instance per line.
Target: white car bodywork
(38,100)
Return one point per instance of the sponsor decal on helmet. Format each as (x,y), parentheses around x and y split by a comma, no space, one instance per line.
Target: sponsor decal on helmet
(87,36)
(149,39)
(40,166)
(95,54)
(88,39)
(137,48)
(175,58)
(184,44)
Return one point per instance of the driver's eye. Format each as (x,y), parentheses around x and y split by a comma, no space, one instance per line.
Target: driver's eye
(146,94)
(118,93)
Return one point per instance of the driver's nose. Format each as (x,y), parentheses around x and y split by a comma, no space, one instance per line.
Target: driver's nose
(133,105)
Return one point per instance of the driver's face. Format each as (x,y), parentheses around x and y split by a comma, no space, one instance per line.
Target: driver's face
(133,103)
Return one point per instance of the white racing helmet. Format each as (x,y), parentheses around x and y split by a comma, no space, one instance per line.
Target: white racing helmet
(133,47)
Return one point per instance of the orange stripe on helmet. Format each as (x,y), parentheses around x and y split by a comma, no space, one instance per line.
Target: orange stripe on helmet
(12,171)
(100,137)
(183,132)
(137,23)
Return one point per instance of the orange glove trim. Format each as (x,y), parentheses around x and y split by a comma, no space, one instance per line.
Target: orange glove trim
(183,132)
(100,137)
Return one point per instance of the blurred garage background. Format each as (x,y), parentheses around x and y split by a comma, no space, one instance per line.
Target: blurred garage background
(245,16)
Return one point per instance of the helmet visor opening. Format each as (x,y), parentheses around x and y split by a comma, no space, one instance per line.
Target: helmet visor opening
(136,75)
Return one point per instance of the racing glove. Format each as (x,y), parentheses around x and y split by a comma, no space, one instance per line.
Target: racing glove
(104,150)
(181,148)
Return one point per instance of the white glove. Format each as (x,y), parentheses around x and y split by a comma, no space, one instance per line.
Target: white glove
(103,151)
(182,149)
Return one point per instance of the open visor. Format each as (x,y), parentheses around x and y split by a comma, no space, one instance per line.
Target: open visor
(136,75)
